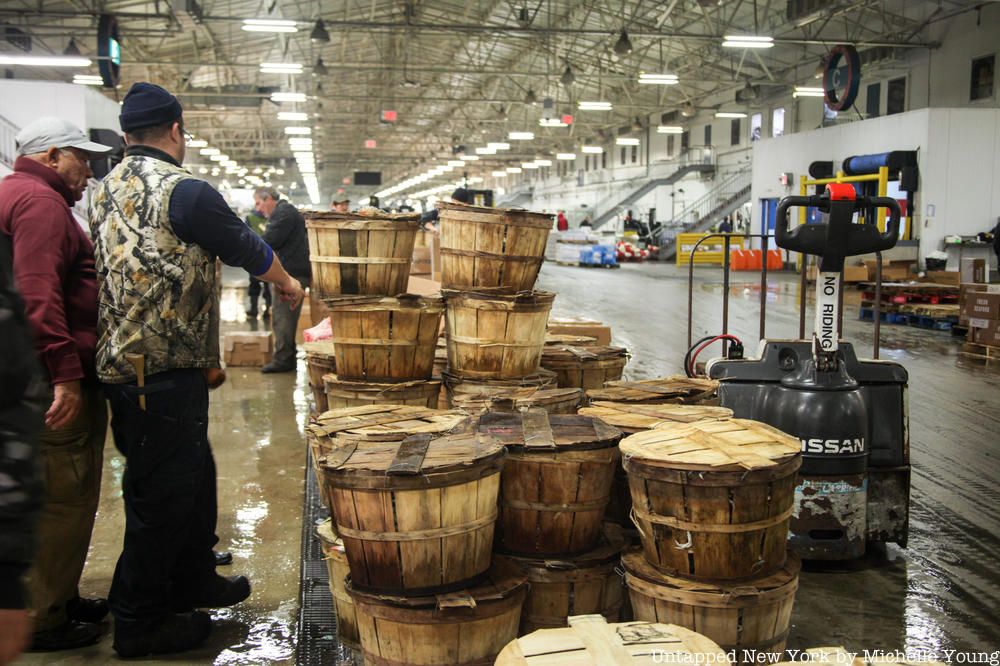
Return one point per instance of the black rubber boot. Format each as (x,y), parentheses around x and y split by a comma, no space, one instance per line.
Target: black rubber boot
(87,610)
(217,592)
(174,633)
(68,636)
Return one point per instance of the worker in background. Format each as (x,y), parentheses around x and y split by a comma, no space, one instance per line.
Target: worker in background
(286,233)
(22,409)
(341,206)
(562,224)
(430,218)
(157,232)
(586,224)
(258,221)
(54,271)
(725,227)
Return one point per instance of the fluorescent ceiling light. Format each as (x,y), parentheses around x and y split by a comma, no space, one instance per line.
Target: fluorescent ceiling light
(528,165)
(197,143)
(747,42)
(455,163)
(543,163)
(565,156)
(521,136)
(592,150)
(281,67)
(43,61)
(513,169)
(658,79)
(293,115)
(88,79)
(269,25)
(469,158)
(730,114)
(670,129)
(499,145)
(499,174)
(551,122)
(486,151)
(288,97)
(298,130)
(806,91)
(209,151)
(595,106)
(218,158)
(626,141)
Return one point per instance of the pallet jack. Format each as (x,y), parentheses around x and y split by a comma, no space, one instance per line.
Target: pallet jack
(850,414)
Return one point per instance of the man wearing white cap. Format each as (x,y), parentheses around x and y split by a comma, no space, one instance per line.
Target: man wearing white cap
(54,271)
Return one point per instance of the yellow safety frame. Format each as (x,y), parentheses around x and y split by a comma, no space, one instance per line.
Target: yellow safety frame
(709,255)
(882,177)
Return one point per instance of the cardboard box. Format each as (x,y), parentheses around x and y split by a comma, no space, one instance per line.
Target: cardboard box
(973,270)
(423,286)
(250,349)
(851,273)
(953,278)
(421,262)
(317,309)
(594,329)
(981,305)
(986,335)
(898,270)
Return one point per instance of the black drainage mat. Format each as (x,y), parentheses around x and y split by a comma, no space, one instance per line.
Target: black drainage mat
(317,641)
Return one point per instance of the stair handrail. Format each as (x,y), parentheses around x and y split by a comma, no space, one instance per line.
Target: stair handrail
(728,187)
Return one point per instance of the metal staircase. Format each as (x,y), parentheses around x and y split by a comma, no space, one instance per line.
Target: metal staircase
(8,145)
(729,194)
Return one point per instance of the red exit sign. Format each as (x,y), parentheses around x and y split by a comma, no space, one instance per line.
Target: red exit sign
(568,119)
(388,116)
(371,143)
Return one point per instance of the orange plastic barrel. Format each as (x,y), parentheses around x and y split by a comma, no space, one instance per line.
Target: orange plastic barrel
(775,261)
(755,262)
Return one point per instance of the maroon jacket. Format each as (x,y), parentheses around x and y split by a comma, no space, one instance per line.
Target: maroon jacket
(53,268)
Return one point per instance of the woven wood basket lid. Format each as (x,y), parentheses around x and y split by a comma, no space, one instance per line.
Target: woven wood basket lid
(664,389)
(609,549)
(332,380)
(641,574)
(518,217)
(501,581)
(499,298)
(369,218)
(385,422)
(590,641)
(572,354)
(382,303)
(712,445)
(535,429)
(509,397)
(563,339)
(328,536)
(542,378)
(320,348)
(635,417)
(451,459)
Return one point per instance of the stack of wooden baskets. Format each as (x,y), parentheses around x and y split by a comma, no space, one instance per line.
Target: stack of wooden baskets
(495,320)
(383,338)
(712,501)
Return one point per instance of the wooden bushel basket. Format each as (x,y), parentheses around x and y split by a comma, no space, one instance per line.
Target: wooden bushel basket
(336,567)
(578,585)
(386,339)
(385,423)
(367,255)
(587,367)
(556,482)
(553,401)
(320,360)
(712,499)
(496,336)
(750,618)
(416,517)
(465,628)
(591,641)
(637,417)
(676,390)
(491,247)
(342,393)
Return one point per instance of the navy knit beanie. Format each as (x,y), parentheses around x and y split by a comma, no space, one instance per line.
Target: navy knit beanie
(146,105)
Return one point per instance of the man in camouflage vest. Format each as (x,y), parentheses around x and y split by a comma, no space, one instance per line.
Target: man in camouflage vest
(157,232)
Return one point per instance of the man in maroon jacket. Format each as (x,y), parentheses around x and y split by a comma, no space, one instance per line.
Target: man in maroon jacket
(54,271)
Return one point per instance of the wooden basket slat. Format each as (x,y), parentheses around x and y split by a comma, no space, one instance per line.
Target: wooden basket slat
(338,570)
(675,389)
(343,393)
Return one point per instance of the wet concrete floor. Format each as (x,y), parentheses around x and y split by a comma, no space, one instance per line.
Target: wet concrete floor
(941,593)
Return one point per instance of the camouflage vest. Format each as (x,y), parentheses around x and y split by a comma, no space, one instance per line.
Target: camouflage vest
(158,293)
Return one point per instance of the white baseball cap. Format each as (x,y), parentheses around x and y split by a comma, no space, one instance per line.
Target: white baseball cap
(44,133)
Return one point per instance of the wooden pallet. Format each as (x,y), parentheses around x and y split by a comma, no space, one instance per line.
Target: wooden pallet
(985,353)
